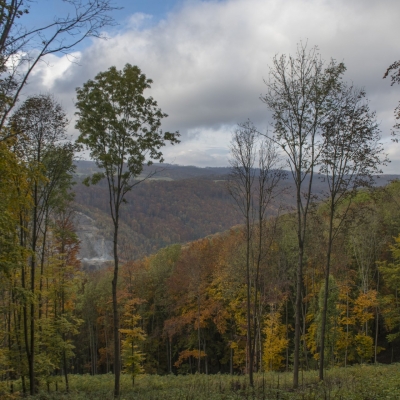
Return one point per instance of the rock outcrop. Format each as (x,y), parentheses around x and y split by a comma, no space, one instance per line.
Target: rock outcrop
(95,247)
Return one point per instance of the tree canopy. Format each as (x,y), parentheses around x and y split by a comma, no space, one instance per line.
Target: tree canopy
(121,128)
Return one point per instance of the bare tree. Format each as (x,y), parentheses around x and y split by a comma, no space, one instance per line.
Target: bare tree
(350,156)
(21,48)
(253,184)
(298,94)
(394,72)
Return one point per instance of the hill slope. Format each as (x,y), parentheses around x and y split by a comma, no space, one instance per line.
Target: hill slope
(176,205)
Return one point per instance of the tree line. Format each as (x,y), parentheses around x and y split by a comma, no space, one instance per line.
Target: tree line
(217,305)
(183,310)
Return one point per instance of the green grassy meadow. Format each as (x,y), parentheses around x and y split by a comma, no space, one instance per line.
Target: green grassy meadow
(365,382)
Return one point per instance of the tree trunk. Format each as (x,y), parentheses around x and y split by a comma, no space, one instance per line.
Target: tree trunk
(287,337)
(326,294)
(323,321)
(40,310)
(304,313)
(205,358)
(198,334)
(166,342)
(31,363)
(347,329)
(249,338)
(302,211)
(170,356)
(25,306)
(65,363)
(117,350)
(376,324)
(298,305)
(106,343)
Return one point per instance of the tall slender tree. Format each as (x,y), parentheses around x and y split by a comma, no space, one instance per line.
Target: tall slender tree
(350,155)
(121,129)
(253,182)
(42,126)
(298,94)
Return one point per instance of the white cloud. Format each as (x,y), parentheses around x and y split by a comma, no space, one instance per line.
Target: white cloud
(202,147)
(53,69)
(208,61)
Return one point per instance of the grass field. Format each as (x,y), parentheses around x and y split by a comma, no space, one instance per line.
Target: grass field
(365,382)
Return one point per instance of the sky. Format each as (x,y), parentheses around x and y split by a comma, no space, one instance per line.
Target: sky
(208,60)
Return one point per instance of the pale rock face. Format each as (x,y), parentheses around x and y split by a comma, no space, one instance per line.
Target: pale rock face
(95,248)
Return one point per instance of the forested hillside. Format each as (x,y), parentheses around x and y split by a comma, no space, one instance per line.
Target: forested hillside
(159,213)
(287,260)
(184,307)
(177,204)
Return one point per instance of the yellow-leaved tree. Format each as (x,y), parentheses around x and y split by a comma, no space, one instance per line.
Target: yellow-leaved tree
(390,302)
(132,336)
(364,306)
(275,339)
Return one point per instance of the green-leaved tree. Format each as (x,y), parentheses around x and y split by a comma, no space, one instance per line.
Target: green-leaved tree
(121,128)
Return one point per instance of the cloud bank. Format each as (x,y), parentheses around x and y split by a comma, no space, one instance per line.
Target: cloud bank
(208,60)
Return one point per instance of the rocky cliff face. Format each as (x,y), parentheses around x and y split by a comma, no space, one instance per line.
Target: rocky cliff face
(96,248)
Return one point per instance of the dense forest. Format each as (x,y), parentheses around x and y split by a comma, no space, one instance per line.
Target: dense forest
(287,260)
(184,305)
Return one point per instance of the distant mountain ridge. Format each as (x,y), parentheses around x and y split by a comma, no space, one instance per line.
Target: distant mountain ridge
(161,171)
(178,172)
(178,204)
